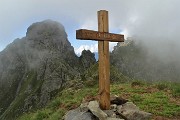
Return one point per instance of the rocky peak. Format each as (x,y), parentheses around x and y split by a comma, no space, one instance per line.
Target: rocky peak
(87,58)
(48,34)
(46,27)
(33,69)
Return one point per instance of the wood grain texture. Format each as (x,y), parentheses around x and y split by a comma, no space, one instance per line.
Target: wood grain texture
(103,49)
(84,34)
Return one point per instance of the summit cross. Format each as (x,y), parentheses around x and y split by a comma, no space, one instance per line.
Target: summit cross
(103,37)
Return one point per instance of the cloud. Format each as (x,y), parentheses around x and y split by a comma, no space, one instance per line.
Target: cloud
(89,24)
(93,48)
(125,33)
(155,22)
(111,46)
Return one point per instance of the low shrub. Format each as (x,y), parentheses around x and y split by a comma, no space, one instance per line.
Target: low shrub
(137,83)
(176,91)
(162,86)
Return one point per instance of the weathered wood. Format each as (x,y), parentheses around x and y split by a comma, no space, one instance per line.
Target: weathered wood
(84,34)
(103,50)
(103,37)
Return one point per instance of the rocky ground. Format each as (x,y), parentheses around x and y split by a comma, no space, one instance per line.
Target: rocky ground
(120,110)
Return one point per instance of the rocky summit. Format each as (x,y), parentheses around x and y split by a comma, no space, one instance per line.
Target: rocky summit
(35,68)
(119,111)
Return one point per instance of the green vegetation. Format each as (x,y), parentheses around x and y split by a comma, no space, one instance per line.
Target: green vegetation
(162,86)
(137,83)
(151,98)
(18,102)
(175,90)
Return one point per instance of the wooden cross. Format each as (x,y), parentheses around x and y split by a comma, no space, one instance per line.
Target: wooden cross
(103,37)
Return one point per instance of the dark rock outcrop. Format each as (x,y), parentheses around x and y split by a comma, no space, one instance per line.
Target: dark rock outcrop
(33,69)
(87,59)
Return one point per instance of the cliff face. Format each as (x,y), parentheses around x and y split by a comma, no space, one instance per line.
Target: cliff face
(87,59)
(33,69)
(134,61)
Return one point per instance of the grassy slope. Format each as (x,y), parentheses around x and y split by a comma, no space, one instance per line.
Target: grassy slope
(15,108)
(161,99)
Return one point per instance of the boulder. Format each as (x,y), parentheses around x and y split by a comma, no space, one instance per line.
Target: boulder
(132,112)
(127,107)
(95,109)
(84,107)
(76,114)
(109,118)
(113,107)
(91,111)
(110,113)
(117,100)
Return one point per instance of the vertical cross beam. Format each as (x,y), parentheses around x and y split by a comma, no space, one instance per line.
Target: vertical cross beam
(103,37)
(104,73)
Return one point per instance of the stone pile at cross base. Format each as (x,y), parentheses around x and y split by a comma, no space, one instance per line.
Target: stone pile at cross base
(120,110)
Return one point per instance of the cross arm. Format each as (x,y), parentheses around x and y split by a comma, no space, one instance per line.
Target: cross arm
(84,34)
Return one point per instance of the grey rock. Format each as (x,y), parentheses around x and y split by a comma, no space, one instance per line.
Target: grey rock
(138,115)
(132,112)
(95,109)
(127,107)
(84,107)
(119,108)
(113,107)
(77,115)
(114,118)
(92,111)
(110,113)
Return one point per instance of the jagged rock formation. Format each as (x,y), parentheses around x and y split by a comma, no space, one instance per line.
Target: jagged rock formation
(134,61)
(87,59)
(33,69)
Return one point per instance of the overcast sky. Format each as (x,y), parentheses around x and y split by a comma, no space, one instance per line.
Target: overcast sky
(155,22)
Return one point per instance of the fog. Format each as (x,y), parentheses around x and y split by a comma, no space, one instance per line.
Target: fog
(153,23)
(157,27)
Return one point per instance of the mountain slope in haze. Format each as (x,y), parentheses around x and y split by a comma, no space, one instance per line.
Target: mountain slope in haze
(37,67)
(33,69)
(134,60)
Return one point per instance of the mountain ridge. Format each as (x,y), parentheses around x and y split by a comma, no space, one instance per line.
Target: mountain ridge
(135,61)
(33,69)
